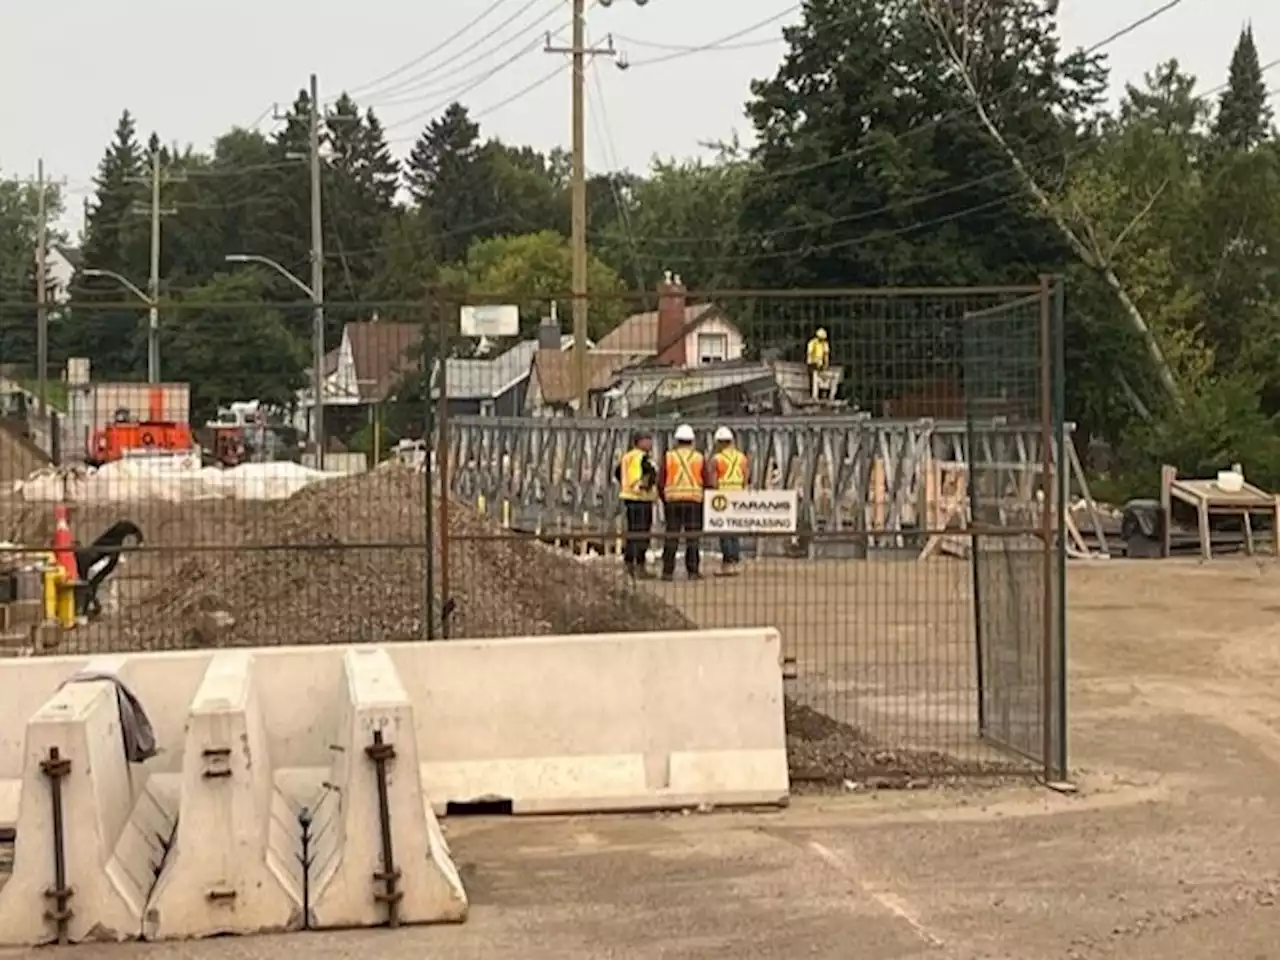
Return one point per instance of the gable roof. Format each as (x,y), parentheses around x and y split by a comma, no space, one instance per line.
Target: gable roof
(556,377)
(70,254)
(383,353)
(490,377)
(637,335)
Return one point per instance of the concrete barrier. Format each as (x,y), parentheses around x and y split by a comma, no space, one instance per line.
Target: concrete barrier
(380,854)
(82,869)
(223,873)
(542,724)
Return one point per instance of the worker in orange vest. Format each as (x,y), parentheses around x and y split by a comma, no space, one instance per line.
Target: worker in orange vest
(685,475)
(731,470)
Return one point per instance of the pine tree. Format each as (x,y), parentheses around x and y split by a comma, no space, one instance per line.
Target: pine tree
(1244,116)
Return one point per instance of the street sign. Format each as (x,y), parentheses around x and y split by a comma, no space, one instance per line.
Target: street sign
(490,320)
(730,512)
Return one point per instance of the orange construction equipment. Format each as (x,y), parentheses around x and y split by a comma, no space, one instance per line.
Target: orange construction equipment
(64,545)
(153,435)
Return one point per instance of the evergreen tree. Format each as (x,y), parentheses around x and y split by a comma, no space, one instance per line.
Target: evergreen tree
(116,239)
(1244,116)
(441,176)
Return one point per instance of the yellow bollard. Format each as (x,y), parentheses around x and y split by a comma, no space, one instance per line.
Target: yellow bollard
(66,604)
(49,584)
(506,514)
(480,505)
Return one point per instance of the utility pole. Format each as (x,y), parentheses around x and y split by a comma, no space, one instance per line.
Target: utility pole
(156,179)
(579,51)
(42,294)
(317,273)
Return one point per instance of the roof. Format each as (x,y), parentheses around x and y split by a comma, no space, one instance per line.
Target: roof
(491,377)
(70,254)
(383,353)
(556,378)
(638,334)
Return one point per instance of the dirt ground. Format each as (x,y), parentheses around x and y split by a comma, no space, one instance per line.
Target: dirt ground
(1170,847)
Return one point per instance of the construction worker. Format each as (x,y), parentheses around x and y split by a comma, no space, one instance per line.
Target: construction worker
(731,470)
(818,359)
(638,479)
(685,475)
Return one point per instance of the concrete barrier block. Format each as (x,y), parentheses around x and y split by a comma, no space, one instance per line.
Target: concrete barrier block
(75,734)
(612,722)
(361,812)
(223,875)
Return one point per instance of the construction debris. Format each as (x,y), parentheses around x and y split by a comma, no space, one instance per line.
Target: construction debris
(299,577)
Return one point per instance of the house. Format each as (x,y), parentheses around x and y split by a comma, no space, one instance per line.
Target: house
(495,386)
(552,390)
(677,334)
(365,368)
(63,262)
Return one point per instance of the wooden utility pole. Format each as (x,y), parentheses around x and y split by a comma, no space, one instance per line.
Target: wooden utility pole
(317,271)
(42,293)
(579,51)
(155,179)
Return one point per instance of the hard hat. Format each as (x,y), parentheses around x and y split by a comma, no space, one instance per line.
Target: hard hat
(724,434)
(821,334)
(684,434)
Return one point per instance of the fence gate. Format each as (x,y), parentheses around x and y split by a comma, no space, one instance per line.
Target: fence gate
(1012,376)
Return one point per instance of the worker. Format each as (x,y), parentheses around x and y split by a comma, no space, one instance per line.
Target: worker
(731,471)
(818,359)
(685,475)
(638,481)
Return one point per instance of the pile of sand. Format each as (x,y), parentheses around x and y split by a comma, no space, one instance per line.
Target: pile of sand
(345,562)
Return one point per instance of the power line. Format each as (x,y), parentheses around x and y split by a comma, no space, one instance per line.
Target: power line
(476,114)
(405,67)
(719,43)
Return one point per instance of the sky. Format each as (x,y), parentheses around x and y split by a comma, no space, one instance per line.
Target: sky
(67,70)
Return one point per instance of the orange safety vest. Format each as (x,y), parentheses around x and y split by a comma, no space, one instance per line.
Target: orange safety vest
(632,475)
(731,469)
(684,473)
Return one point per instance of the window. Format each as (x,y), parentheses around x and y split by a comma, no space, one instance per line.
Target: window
(713,348)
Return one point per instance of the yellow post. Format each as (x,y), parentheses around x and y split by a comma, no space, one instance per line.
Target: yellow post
(480,505)
(586,525)
(49,584)
(617,529)
(506,514)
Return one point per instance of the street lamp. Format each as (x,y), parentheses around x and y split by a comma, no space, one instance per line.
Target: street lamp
(153,318)
(317,342)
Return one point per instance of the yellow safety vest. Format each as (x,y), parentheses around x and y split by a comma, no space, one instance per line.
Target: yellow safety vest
(731,469)
(632,476)
(819,352)
(684,468)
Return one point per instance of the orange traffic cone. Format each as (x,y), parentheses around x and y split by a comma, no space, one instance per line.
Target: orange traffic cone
(64,547)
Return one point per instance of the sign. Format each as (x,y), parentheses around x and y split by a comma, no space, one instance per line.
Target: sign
(490,320)
(729,512)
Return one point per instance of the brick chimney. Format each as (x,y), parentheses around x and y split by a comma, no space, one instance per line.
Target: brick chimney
(671,310)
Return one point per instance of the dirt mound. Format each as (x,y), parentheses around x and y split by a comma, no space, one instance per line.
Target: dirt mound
(19,456)
(345,562)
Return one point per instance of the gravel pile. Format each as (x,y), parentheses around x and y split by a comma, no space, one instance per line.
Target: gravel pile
(312,587)
(823,752)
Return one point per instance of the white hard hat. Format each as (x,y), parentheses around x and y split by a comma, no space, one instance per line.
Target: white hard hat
(684,434)
(724,434)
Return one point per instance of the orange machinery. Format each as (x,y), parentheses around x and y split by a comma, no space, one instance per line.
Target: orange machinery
(128,434)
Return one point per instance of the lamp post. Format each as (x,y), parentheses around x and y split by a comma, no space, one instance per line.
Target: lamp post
(317,342)
(153,310)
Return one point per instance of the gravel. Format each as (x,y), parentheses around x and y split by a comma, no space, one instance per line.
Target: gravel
(823,753)
(345,562)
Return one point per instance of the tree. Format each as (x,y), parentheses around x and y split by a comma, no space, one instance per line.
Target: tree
(533,269)
(19,226)
(116,239)
(229,353)
(1244,116)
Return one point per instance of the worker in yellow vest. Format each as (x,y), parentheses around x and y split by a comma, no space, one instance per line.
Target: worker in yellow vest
(685,475)
(731,470)
(817,358)
(638,490)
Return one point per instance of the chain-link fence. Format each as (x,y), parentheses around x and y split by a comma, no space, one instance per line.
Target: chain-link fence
(242,512)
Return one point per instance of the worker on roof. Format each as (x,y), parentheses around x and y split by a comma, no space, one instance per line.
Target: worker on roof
(731,471)
(638,490)
(817,358)
(685,475)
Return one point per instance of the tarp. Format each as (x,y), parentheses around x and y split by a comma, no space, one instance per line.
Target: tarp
(176,479)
